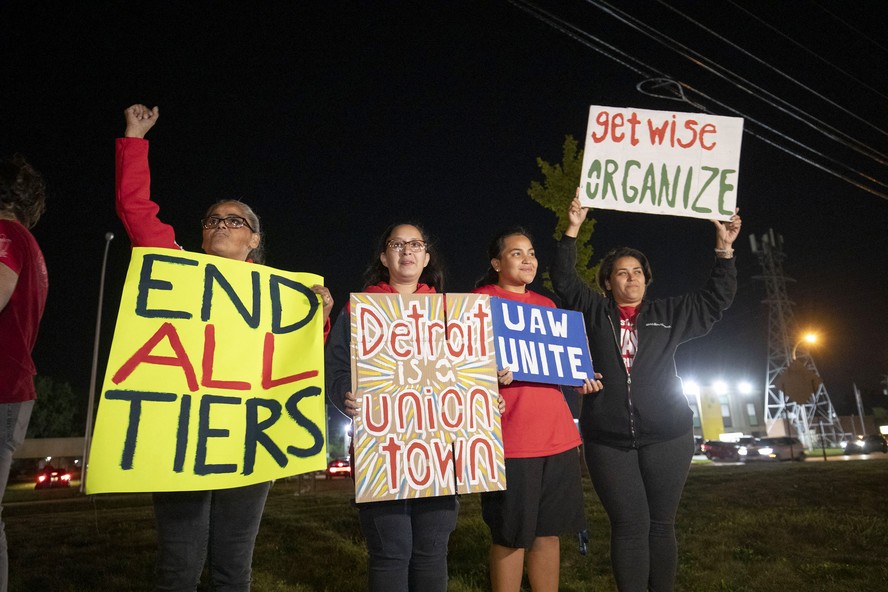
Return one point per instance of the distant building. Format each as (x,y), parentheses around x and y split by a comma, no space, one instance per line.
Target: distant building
(720,409)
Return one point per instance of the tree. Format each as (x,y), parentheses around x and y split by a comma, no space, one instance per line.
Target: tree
(555,193)
(58,411)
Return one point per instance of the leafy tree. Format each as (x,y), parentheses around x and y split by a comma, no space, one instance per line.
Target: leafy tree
(58,411)
(555,193)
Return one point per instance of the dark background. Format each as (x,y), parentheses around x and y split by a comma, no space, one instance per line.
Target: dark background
(334,119)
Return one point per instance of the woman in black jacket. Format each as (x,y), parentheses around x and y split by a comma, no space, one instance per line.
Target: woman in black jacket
(638,431)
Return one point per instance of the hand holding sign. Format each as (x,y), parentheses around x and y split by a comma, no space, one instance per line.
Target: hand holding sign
(576,215)
(352,406)
(590,385)
(726,232)
(540,344)
(504,376)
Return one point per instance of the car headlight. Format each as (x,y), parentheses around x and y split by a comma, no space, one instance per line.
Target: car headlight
(742,451)
(766,450)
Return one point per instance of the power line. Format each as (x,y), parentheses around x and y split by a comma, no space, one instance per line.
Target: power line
(641,68)
(808,51)
(773,69)
(683,97)
(740,82)
(852,28)
(584,38)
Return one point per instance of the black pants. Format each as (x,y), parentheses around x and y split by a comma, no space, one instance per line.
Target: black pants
(407,543)
(640,490)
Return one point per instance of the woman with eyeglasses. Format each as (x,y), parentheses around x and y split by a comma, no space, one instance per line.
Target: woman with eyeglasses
(406,539)
(544,498)
(194,524)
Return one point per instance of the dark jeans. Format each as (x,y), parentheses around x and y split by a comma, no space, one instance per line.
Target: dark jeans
(407,543)
(640,489)
(192,523)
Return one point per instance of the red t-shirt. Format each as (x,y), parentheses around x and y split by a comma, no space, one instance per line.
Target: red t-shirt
(537,421)
(20,318)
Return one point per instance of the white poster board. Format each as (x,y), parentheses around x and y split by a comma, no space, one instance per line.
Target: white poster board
(661,162)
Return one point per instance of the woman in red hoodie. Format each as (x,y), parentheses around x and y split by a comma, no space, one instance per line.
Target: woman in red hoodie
(406,539)
(192,525)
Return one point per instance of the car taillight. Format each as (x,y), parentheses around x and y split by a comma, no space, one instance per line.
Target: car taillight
(66,477)
(41,478)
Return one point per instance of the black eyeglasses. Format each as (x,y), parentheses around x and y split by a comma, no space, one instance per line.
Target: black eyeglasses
(415,246)
(229,221)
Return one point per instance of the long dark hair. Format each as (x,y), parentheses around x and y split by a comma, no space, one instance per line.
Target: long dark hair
(607,266)
(495,250)
(257,255)
(432,275)
(22,191)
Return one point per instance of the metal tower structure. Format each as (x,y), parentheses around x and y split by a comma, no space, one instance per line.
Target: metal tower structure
(814,421)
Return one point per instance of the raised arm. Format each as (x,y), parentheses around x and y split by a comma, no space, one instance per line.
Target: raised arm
(570,287)
(576,215)
(139,119)
(133,183)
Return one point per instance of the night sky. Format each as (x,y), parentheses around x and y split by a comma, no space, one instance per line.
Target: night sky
(334,119)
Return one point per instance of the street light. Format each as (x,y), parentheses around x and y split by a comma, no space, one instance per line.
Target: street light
(109,236)
(810,338)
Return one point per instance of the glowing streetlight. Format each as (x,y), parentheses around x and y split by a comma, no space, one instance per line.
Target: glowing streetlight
(809,338)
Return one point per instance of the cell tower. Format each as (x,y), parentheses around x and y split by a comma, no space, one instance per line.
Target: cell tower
(814,421)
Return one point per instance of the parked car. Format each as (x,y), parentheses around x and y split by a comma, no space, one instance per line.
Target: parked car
(50,477)
(698,445)
(339,467)
(780,448)
(866,444)
(718,450)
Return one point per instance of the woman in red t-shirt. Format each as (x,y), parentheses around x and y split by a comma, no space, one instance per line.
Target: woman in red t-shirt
(544,498)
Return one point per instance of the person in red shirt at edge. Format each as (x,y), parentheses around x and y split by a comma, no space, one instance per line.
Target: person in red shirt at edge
(189,523)
(544,496)
(23,288)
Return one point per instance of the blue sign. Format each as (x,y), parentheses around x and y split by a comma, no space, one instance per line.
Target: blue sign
(539,343)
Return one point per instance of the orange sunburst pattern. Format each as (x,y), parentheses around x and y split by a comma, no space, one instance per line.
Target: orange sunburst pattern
(424,370)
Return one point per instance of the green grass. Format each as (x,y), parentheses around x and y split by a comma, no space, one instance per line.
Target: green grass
(778,527)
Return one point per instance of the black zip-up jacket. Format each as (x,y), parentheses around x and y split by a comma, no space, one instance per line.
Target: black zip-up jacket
(648,406)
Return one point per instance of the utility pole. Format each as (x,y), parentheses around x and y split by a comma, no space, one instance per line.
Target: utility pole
(818,412)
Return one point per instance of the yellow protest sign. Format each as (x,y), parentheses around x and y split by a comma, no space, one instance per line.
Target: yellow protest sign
(214,380)
(424,371)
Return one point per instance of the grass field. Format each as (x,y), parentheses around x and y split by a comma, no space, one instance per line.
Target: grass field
(786,527)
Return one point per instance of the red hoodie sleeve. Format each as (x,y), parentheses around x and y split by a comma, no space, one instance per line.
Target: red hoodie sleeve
(134,206)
